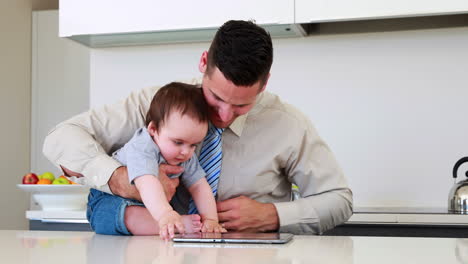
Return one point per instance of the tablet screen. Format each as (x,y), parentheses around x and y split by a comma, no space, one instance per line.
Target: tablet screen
(232,237)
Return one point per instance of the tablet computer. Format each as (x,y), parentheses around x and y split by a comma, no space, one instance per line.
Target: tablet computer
(231,237)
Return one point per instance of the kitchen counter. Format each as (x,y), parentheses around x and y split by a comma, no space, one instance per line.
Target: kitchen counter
(407,216)
(362,215)
(366,221)
(85,247)
(403,222)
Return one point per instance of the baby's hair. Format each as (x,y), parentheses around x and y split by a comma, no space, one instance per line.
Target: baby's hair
(187,99)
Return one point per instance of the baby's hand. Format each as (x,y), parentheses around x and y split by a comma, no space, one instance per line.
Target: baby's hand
(212,226)
(168,222)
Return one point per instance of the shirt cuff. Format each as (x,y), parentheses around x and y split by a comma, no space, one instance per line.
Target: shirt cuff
(99,170)
(290,213)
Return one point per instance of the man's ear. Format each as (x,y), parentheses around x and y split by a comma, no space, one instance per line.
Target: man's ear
(152,129)
(203,64)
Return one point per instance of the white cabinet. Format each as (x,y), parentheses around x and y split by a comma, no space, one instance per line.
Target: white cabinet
(341,10)
(87,17)
(107,23)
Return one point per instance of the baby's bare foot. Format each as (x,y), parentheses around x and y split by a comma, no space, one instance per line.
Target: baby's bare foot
(192,223)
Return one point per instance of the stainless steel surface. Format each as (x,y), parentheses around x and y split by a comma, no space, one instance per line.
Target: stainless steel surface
(458,196)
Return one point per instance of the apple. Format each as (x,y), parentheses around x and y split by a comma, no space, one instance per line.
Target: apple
(63,176)
(60,181)
(30,178)
(47,175)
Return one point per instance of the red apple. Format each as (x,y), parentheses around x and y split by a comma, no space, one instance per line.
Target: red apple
(30,178)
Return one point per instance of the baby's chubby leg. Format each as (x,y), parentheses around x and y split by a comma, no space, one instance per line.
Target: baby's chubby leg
(139,222)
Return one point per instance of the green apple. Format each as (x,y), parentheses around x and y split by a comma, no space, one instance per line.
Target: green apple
(47,175)
(60,181)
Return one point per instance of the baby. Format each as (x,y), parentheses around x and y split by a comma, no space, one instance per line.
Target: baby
(177,121)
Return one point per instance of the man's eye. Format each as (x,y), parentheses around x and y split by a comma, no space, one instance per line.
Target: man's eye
(193,146)
(177,142)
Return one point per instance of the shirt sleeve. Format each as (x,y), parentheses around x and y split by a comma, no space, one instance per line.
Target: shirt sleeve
(192,172)
(83,143)
(142,156)
(326,199)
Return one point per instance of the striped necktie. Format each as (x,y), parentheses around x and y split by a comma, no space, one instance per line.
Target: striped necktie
(210,160)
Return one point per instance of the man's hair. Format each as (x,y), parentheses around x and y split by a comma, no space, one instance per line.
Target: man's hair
(242,51)
(184,98)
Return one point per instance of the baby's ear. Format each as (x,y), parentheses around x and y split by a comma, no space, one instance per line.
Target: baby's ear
(152,128)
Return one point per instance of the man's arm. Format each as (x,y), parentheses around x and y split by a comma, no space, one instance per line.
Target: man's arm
(119,183)
(326,199)
(83,143)
(327,210)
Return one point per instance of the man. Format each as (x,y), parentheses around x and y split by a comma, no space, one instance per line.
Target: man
(266,146)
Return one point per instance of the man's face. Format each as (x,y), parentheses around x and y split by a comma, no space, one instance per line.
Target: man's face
(226,100)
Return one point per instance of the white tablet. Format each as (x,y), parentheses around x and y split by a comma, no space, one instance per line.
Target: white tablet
(254,238)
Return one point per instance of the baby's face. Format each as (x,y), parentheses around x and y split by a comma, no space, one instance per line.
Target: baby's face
(178,137)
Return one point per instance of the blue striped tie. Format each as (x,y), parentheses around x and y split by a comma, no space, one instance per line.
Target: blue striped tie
(210,160)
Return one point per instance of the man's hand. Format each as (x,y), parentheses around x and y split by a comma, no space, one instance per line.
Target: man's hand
(244,214)
(70,173)
(119,184)
(169,184)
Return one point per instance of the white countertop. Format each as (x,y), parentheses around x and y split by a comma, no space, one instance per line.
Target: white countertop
(85,247)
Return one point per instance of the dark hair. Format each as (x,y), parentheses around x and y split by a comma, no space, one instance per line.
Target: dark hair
(186,98)
(242,51)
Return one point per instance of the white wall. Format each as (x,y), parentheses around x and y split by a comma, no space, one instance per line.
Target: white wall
(15,109)
(60,83)
(389,104)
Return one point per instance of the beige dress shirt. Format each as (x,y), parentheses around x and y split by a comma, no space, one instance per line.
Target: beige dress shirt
(264,151)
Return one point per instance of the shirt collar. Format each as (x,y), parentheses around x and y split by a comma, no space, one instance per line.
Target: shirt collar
(238,125)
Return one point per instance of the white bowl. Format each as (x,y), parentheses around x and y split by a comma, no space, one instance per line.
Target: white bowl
(57,197)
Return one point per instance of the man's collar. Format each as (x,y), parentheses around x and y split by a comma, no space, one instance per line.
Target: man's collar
(238,125)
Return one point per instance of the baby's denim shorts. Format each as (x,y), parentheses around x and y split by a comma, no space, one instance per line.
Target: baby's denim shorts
(106,212)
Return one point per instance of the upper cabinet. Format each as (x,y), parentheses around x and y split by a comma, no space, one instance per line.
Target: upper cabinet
(111,22)
(120,16)
(107,23)
(308,11)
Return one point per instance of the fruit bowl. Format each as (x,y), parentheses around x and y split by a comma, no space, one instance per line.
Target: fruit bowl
(58,197)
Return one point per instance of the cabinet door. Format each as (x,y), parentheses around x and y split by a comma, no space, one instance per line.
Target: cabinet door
(86,17)
(338,10)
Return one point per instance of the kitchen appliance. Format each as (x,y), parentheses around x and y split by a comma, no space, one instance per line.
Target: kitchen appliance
(458,196)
